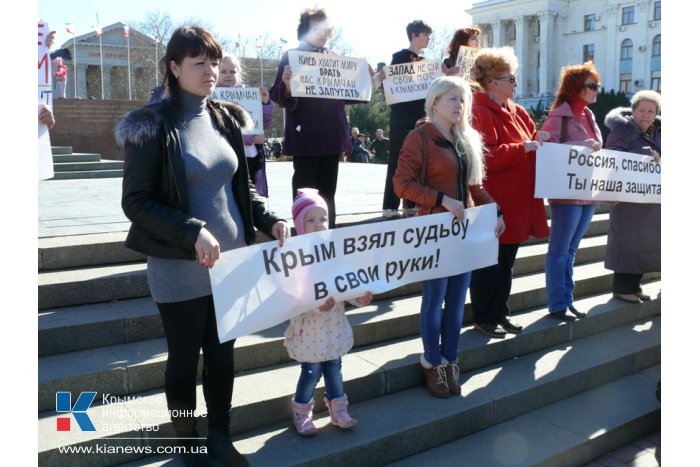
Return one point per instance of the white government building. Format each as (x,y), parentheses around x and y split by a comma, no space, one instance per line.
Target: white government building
(622,37)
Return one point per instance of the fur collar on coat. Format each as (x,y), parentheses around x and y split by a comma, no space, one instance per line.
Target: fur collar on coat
(620,121)
(143,124)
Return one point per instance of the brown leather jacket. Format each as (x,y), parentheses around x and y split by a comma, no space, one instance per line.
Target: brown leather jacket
(446,173)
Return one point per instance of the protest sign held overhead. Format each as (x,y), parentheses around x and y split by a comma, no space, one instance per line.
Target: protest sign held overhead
(263,285)
(329,76)
(465,62)
(575,172)
(410,81)
(250,100)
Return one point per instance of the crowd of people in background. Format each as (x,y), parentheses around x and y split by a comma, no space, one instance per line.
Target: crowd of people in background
(480,148)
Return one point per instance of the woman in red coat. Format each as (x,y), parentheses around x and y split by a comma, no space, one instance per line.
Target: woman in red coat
(511,142)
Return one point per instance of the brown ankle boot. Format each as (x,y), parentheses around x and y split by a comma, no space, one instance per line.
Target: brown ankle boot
(435,378)
(452,370)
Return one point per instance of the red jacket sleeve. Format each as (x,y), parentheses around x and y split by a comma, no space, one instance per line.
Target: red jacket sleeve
(500,154)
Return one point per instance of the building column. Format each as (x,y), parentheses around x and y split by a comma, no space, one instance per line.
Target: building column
(547,51)
(612,69)
(497,33)
(82,81)
(107,77)
(521,53)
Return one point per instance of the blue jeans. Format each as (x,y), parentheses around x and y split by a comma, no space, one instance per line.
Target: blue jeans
(440,328)
(311,375)
(569,223)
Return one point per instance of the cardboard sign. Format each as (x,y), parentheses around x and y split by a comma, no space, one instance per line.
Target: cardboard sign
(250,100)
(263,285)
(329,76)
(465,61)
(575,172)
(44,97)
(410,81)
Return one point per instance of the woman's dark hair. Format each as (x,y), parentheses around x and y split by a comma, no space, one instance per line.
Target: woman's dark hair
(460,38)
(188,41)
(307,16)
(417,27)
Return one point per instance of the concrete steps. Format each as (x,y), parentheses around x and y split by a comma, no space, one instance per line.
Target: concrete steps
(100,331)
(501,379)
(68,165)
(565,433)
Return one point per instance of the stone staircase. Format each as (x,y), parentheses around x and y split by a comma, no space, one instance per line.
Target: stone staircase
(557,394)
(69,165)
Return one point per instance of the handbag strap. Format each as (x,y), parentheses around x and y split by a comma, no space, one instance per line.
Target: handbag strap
(424,151)
(564,133)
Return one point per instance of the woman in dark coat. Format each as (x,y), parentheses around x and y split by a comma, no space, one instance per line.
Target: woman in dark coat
(634,235)
(187,193)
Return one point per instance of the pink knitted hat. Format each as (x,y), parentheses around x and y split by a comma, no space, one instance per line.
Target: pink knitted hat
(307,198)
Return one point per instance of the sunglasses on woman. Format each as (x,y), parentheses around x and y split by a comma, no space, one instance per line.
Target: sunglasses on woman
(510,78)
(592,86)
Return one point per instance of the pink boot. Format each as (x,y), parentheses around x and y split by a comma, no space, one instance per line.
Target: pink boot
(301,416)
(338,409)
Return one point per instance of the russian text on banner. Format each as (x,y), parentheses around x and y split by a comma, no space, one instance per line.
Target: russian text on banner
(250,100)
(45,162)
(576,172)
(410,81)
(329,76)
(465,61)
(262,285)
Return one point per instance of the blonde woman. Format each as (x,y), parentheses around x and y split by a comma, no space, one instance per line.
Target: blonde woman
(452,182)
(232,75)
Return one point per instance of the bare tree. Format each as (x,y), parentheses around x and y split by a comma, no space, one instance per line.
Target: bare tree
(439,40)
(339,44)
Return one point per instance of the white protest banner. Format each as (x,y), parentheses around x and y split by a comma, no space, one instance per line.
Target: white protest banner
(575,172)
(263,285)
(410,81)
(465,61)
(44,97)
(329,76)
(250,100)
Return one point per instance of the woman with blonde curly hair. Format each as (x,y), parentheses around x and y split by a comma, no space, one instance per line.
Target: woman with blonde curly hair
(449,180)
(570,121)
(511,141)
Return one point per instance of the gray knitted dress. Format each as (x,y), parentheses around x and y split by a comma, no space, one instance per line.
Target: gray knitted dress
(210,163)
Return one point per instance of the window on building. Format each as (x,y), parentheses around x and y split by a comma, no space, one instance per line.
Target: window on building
(589,22)
(656,81)
(626,49)
(626,82)
(588,52)
(510,31)
(657,11)
(656,46)
(628,15)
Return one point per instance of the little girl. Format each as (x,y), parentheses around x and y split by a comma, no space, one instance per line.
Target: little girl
(319,337)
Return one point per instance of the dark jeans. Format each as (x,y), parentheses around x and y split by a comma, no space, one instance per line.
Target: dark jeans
(490,286)
(399,127)
(190,326)
(320,172)
(311,375)
(626,283)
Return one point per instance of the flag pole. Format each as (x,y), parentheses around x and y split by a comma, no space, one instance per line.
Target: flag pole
(128,58)
(99,34)
(75,69)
